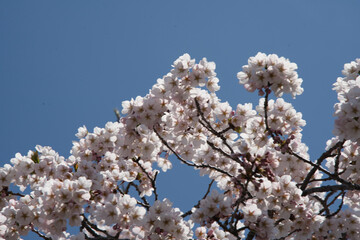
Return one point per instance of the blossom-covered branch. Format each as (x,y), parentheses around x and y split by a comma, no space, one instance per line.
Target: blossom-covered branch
(263,184)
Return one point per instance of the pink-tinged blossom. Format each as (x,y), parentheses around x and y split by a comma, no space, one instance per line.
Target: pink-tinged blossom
(347,109)
(82,132)
(251,212)
(256,159)
(264,71)
(182,65)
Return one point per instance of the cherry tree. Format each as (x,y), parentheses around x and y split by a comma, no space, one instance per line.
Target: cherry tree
(263,183)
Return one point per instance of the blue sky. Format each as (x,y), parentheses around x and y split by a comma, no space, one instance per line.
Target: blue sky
(64,64)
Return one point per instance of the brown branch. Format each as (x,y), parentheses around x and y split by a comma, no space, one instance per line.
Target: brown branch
(266,103)
(331,175)
(152,180)
(283,238)
(233,157)
(146,203)
(226,129)
(5,190)
(250,235)
(189,163)
(40,234)
(316,166)
(337,161)
(330,188)
(340,205)
(86,224)
(318,163)
(91,228)
(205,123)
(326,205)
(198,204)
(234,232)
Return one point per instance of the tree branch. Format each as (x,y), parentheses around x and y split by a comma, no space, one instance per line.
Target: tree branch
(319,161)
(330,188)
(205,123)
(189,163)
(40,234)
(153,181)
(91,228)
(198,204)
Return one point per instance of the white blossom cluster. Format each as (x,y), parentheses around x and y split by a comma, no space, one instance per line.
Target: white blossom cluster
(347,110)
(344,222)
(57,198)
(216,204)
(348,161)
(284,200)
(255,156)
(347,164)
(165,222)
(214,232)
(269,71)
(121,210)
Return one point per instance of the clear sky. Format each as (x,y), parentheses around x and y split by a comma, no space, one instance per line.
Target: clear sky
(64,64)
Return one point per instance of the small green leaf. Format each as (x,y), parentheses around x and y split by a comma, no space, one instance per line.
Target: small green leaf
(76,166)
(35,157)
(238,129)
(139,176)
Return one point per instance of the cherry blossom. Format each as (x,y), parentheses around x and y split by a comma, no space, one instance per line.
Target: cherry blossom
(263,183)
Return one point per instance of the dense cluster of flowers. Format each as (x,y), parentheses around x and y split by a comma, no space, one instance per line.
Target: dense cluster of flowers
(347,110)
(267,186)
(264,71)
(57,197)
(215,204)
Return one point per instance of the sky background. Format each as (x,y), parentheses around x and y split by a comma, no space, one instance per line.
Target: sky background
(64,64)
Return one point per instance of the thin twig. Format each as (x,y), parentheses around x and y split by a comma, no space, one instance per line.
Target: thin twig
(198,204)
(205,123)
(91,227)
(117,114)
(40,234)
(152,180)
(233,157)
(318,163)
(283,238)
(146,203)
(138,202)
(340,205)
(189,163)
(250,235)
